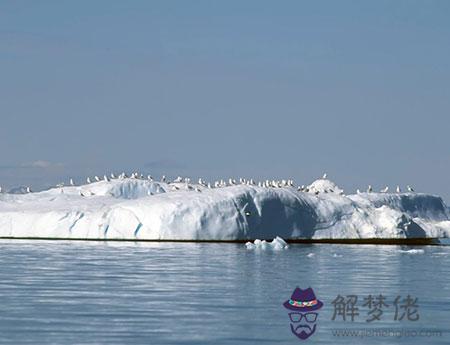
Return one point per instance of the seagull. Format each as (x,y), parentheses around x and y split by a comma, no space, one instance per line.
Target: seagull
(398,190)
(0,189)
(410,189)
(71,182)
(97,178)
(105,178)
(88,180)
(369,189)
(385,189)
(198,189)
(113,176)
(358,191)
(81,193)
(28,190)
(324,176)
(149,177)
(163,178)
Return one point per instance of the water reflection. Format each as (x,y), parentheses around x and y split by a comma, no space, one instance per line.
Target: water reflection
(147,293)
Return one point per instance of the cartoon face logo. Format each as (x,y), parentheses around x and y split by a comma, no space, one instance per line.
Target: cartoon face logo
(302,307)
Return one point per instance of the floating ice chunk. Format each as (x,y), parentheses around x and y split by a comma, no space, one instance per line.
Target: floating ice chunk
(413,251)
(277,244)
(250,245)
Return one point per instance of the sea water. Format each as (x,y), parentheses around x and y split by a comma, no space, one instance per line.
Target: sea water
(63,292)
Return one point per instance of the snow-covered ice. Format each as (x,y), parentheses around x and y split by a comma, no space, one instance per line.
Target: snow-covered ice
(132,208)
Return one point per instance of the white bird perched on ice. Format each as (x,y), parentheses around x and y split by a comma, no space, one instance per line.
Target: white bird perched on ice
(28,190)
(385,189)
(358,191)
(113,176)
(398,190)
(97,178)
(324,176)
(410,189)
(149,177)
(0,189)
(369,189)
(88,180)
(105,178)
(163,178)
(71,182)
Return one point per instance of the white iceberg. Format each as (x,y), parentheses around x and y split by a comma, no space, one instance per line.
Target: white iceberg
(277,244)
(136,209)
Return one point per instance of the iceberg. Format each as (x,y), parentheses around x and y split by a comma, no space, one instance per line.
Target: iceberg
(138,209)
(277,244)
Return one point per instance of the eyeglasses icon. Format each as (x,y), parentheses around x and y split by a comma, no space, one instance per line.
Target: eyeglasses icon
(297,317)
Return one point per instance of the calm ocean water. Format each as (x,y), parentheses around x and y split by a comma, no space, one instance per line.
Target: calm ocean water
(188,293)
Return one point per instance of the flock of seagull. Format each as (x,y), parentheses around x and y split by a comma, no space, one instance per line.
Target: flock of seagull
(177,183)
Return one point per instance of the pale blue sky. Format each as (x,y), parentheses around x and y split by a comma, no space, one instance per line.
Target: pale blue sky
(264,89)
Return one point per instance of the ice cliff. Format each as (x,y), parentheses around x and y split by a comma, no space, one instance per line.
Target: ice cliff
(132,208)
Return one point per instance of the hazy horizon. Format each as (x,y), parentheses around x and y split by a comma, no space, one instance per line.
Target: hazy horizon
(256,89)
